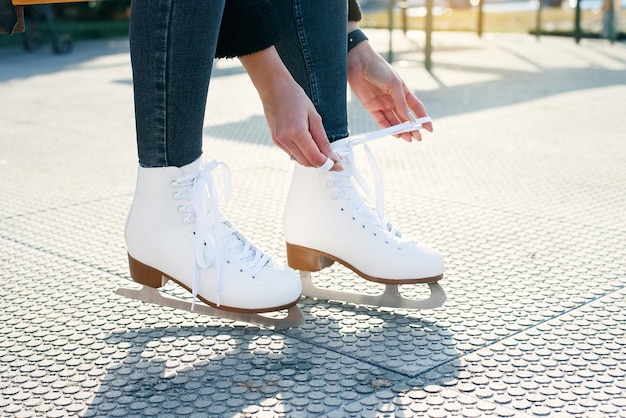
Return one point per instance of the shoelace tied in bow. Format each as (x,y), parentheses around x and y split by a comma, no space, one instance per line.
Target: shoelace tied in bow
(215,237)
(377,195)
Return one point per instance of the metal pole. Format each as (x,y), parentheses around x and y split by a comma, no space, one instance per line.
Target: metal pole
(480,18)
(577,32)
(405,24)
(390,5)
(538,30)
(428,48)
(612,28)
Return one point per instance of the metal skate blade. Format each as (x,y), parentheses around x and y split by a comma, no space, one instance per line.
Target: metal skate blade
(148,294)
(391,297)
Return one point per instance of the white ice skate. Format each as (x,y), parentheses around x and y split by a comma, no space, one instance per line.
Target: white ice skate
(328,217)
(175,231)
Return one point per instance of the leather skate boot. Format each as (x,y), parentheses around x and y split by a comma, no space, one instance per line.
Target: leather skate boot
(328,218)
(175,231)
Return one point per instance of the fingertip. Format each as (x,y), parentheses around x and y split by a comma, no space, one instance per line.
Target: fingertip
(334,156)
(327,166)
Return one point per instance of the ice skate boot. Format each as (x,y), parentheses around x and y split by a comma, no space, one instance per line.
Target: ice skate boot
(328,217)
(175,232)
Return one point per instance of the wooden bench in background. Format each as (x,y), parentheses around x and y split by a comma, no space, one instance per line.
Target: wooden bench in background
(15,20)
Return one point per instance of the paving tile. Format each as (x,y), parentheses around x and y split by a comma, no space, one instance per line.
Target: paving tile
(521,187)
(68,344)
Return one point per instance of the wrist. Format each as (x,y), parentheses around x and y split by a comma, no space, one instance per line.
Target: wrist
(265,68)
(355,37)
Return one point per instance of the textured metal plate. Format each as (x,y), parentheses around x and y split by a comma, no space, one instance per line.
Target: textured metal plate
(523,195)
(572,365)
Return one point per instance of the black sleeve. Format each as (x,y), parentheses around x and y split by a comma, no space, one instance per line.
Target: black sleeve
(354,11)
(248,26)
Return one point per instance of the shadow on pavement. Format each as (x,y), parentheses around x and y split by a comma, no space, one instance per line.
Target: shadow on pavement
(17,64)
(221,371)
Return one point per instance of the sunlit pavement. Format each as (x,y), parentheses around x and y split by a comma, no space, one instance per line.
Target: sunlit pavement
(522,187)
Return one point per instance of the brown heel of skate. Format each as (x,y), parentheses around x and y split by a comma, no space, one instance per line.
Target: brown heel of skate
(306,259)
(145,275)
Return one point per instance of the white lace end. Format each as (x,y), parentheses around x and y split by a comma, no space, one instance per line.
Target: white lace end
(327,165)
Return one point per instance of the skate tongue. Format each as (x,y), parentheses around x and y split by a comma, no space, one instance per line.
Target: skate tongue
(240,249)
(206,209)
(345,148)
(215,237)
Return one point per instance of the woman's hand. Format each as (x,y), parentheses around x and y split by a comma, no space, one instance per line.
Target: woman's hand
(381,90)
(295,125)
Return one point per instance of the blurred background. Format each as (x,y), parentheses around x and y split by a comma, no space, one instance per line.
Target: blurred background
(61,22)
(59,25)
(550,17)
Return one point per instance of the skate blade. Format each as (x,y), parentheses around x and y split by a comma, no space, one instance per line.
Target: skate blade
(390,298)
(151,295)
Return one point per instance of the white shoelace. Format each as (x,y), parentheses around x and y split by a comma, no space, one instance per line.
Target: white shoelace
(377,196)
(214,234)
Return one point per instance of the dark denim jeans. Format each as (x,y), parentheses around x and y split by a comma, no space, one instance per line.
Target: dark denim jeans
(313,46)
(172,45)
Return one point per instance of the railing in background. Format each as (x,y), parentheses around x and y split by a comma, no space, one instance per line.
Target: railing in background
(609,30)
